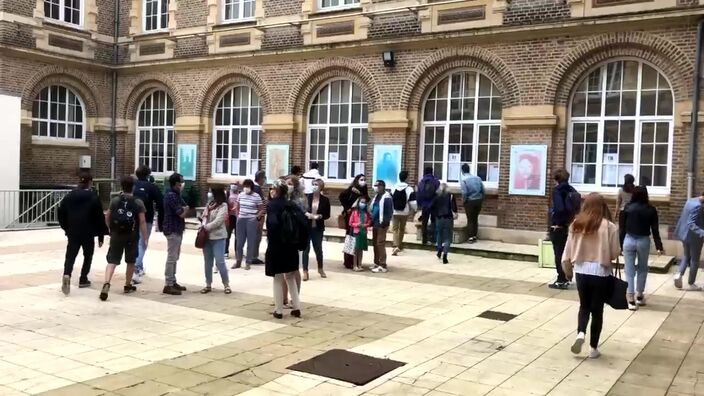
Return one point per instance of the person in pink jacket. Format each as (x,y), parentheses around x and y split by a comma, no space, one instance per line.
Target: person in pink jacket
(360,220)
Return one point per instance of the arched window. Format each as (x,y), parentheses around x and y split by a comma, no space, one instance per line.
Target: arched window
(462,125)
(621,122)
(237,137)
(57,112)
(155,130)
(337,130)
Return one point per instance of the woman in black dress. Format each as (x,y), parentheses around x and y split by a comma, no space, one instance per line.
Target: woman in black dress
(347,199)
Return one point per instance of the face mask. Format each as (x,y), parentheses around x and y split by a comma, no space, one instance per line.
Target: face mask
(362,205)
(247,190)
(233,188)
(362,183)
(290,189)
(210,196)
(316,188)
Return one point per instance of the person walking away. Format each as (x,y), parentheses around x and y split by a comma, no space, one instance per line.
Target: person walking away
(214,223)
(382,212)
(287,234)
(566,202)
(444,209)
(425,193)
(310,177)
(232,214)
(638,220)
(348,198)
(127,222)
(472,200)
(153,201)
(592,246)
(318,211)
(405,205)
(259,182)
(359,223)
(81,217)
(249,212)
(690,231)
(624,198)
(175,211)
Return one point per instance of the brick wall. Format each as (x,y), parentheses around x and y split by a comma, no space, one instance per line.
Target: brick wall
(527,12)
(191,13)
(282,37)
(16,35)
(394,25)
(190,47)
(687,3)
(106,13)
(274,8)
(19,7)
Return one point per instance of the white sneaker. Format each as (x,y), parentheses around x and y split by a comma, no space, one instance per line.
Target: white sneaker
(395,252)
(379,269)
(678,280)
(594,354)
(632,306)
(578,342)
(694,287)
(136,279)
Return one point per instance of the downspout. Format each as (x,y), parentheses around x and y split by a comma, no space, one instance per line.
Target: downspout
(113,126)
(695,113)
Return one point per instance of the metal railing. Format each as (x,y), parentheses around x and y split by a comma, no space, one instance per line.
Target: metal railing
(24,209)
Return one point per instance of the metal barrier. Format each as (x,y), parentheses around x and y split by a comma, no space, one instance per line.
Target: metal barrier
(24,209)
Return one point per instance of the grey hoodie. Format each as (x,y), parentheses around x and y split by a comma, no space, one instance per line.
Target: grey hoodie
(412,205)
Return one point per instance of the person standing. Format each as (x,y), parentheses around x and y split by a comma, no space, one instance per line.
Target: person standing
(405,205)
(382,212)
(214,249)
(232,214)
(566,202)
(690,231)
(249,212)
(153,201)
(259,182)
(472,200)
(444,209)
(81,217)
(175,211)
(638,220)
(624,198)
(318,212)
(310,177)
(127,224)
(591,248)
(348,199)
(287,234)
(425,193)
(359,223)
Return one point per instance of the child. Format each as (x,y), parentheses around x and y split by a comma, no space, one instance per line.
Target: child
(359,222)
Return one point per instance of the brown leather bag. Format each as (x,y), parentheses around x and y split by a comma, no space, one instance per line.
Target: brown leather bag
(202,236)
(341,221)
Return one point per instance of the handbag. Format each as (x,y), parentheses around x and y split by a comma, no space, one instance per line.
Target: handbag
(202,236)
(619,287)
(341,221)
(348,247)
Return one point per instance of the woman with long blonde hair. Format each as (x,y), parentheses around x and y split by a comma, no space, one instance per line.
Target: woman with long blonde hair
(592,246)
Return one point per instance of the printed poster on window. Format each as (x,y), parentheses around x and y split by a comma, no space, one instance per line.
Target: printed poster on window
(276,161)
(187,161)
(528,170)
(387,164)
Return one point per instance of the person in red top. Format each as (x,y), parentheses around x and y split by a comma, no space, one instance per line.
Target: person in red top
(360,220)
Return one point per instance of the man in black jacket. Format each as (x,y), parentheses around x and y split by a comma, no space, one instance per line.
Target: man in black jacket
(153,199)
(81,217)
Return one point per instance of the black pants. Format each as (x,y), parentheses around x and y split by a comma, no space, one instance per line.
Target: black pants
(426,216)
(74,245)
(558,236)
(593,291)
(472,208)
(230,229)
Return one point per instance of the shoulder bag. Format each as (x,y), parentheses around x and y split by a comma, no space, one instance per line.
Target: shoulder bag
(617,298)
(202,236)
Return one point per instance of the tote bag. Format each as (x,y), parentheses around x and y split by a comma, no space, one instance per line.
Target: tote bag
(202,236)
(617,299)
(348,247)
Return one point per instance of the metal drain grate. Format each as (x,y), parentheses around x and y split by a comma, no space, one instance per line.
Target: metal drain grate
(347,366)
(494,315)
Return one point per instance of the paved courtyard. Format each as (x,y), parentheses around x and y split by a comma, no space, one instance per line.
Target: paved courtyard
(422,313)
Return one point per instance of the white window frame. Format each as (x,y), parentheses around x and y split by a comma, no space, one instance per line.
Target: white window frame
(350,132)
(49,120)
(159,16)
(230,130)
(340,6)
(151,129)
(240,15)
(62,13)
(601,120)
(476,124)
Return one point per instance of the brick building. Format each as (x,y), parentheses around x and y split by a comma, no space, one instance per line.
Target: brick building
(605,85)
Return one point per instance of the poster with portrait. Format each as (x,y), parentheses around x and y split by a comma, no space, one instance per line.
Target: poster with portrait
(387,164)
(528,170)
(276,161)
(187,161)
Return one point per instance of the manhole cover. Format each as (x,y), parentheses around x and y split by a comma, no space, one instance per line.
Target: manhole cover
(494,315)
(347,366)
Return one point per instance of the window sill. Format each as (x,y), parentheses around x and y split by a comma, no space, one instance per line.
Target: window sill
(654,196)
(58,142)
(247,21)
(55,23)
(151,34)
(319,12)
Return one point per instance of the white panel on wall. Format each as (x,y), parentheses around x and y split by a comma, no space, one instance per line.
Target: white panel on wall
(10,119)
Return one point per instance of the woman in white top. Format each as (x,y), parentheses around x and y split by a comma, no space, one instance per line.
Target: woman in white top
(213,221)
(250,208)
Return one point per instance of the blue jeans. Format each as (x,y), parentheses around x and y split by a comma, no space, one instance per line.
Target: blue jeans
(214,250)
(443,234)
(316,238)
(139,265)
(692,254)
(636,247)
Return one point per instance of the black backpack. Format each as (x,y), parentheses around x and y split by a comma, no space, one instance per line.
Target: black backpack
(294,229)
(427,192)
(400,200)
(123,218)
(573,204)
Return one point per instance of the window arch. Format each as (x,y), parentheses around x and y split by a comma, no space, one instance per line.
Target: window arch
(462,125)
(621,121)
(57,112)
(237,137)
(338,129)
(156,146)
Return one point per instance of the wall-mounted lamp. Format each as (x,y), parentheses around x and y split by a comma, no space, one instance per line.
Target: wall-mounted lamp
(389,60)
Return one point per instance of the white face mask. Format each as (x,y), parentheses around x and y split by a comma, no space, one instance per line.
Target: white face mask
(316,188)
(210,196)
(247,190)
(362,183)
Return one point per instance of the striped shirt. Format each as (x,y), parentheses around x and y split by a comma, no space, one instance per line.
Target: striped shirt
(249,205)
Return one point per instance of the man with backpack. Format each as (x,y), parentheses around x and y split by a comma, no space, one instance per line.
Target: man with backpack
(472,199)
(382,212)
(81,217)
(404,200)
(425,193)
(126,221)
(153,201)
(566,202)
